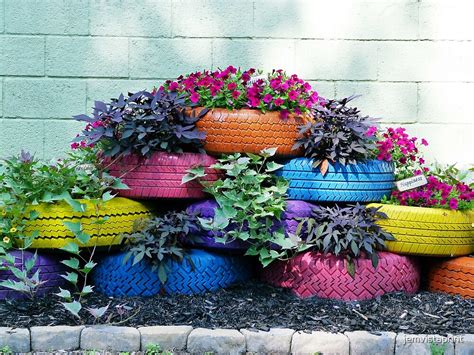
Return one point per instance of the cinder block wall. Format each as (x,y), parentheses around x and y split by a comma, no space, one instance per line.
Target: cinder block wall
(413,61)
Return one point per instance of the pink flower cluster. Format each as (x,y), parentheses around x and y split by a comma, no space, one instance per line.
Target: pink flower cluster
(436,194)
(89,126)
(397,145)
(233,89)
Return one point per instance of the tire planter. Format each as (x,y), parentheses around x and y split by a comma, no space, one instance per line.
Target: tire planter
(160,175)
(205,209)
(50,273)
(249,131)
(208,272)
(363,182)
(454,276)
(428,231)
(315,274)
(122,213)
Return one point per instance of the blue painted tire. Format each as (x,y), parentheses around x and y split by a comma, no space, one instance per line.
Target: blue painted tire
(206,272)
(364,182)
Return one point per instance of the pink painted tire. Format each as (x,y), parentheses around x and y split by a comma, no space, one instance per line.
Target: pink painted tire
(160,175)
(315,274)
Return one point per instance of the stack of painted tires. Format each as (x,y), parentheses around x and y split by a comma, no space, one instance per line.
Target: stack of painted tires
(446,237)
(209,265)
(52,235)
(316,274)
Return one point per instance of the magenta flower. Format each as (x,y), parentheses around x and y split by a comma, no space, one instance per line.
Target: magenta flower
(194,97)
(292,95)
(284,114)
(267,98)
(278,102)
(173,86)
(231,86)
(236,94)
(371,131)
(424,142)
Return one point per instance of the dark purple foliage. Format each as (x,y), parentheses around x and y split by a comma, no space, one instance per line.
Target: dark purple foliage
(339,134)
(142,123)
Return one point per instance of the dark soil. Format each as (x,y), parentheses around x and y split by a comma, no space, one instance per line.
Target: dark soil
(254,305)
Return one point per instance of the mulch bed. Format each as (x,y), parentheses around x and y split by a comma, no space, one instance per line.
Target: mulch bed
(254,305)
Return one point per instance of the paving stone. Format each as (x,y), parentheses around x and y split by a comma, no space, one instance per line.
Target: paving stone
(277,340)
(464,344)
(362,343)
(110,338)
(168,337)
(227,341)
(322,342)
(55,338)
(422,344)
(18,340)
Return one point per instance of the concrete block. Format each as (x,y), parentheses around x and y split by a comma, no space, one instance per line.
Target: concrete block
(18,339)
(105,89)
(421,344)
(350,20)
(265,54)
(320,342)
(362,343)
(168,337)
(426,61)
(2,22)
(17,134)
(110,338)
(57,141)
(275,341)
(392,102)
(220,341)
(437,102)
(47,17)
(168,58)
(53,98)
(147,18)
(446,20)
(326,89)
(212,18)
(55,338)
(465,345)
(336,60)
(22,55)
(1,98)
(86,57)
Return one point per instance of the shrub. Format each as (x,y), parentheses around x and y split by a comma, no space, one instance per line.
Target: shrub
(142,123)
(250,200)
(341,134)
(159,239)
(232,88)
(347,231)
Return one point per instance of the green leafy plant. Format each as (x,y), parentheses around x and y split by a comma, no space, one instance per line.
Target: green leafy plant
(159,239)
(155,349)
(251,199)
(25,182)
(347,231)
(340,134)
(26,282)
(6,350)
(437,349)
(81,268)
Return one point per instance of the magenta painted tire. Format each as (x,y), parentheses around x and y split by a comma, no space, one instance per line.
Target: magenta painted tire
(160,175)
(315,274)
(205,209)
(50,268)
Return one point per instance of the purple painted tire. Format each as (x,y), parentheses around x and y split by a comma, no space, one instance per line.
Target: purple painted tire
(50,273)
(205,209)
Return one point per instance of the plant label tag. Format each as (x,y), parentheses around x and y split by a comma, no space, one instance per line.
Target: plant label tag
(411,183)
(255,78)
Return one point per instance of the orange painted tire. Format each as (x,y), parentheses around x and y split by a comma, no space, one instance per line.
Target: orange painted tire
(454,276)
(249,131)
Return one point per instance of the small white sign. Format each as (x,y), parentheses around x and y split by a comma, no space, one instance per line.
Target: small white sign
(411,183)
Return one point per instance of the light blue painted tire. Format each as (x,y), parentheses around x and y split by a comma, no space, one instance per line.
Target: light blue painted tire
(367,181)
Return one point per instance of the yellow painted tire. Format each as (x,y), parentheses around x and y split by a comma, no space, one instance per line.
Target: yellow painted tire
(121,213)
(428,231)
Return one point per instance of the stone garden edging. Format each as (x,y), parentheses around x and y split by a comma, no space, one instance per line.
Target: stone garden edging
(228,341)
